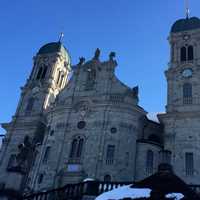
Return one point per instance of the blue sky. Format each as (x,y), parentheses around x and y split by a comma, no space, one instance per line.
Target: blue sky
(136,30)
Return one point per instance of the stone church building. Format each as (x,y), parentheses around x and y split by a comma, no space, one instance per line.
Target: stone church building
(78,122)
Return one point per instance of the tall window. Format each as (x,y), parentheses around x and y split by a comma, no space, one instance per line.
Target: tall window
(61,80)
(190,53)
(189,164)
(73,148)
(91,76)
(44,72)
(77,148)
(39,73)
(183,54)
(149,162)
(30,104)
(46,154)
(187,93)
(187,53)
(110,154)
(127,158)
(58,78)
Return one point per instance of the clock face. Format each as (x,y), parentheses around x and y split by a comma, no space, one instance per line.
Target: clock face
(186,37)
(187,73)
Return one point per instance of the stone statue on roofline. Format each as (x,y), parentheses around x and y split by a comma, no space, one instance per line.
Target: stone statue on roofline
(135,90)
(97,54)
(81,60)
(112,56)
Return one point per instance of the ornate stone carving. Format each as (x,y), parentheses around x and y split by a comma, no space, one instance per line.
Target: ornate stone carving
(21,161)
(97,54)
(135,90)
(81,60)
(112,55)
(83,108)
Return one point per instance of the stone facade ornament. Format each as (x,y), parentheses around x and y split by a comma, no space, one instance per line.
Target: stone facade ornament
(112,55)
(135,90)
(22,160)
(97,54)
(81,61)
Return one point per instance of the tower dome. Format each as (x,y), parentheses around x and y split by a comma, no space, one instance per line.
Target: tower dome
(54,47)
(186,24)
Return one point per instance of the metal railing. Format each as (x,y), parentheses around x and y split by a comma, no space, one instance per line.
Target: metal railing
(89,188)
(77,191)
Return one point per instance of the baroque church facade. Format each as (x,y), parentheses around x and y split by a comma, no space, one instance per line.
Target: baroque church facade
(78,122)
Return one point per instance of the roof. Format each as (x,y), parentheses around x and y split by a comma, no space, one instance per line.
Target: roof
(52,47)
(165,181)
(186,24)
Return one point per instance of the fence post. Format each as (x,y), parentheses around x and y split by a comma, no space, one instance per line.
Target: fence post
(92,188)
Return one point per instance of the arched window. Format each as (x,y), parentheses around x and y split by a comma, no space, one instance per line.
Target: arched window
(73,148)
(187,93)
(30,104)
(39,73)
(183,54)
(80,147)
(190,53)
(107,178)
(154,138)
(149,162)
(44,72)
(77,148)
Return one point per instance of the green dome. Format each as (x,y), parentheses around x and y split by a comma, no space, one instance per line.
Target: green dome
(186,24)
(52,47)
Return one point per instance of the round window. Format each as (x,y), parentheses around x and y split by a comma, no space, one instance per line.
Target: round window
(113,130)
(81,124)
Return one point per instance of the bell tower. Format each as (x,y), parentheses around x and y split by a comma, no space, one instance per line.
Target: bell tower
(182,118)
(183,74)
(51,67)
(25,133)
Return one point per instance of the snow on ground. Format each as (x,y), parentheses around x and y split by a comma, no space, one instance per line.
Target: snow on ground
(176,196)
(125,192)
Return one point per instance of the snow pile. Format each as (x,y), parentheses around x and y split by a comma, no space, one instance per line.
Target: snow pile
(153,117)
(125,192)
(176,196)
(88,179)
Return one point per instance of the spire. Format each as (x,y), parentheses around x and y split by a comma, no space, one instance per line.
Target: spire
(187,9)
(61,37)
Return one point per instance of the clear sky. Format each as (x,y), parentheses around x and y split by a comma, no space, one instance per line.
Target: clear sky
(136,30)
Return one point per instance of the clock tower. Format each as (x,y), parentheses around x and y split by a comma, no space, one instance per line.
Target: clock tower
(26,131)
(182,117)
